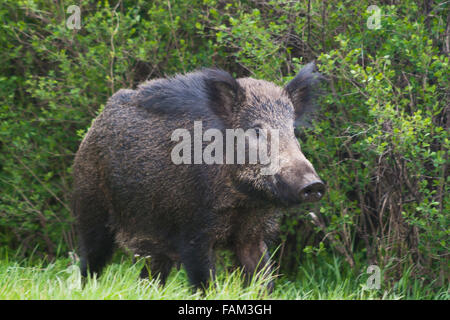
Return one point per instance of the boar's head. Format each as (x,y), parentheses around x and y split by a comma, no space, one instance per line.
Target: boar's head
(268,109)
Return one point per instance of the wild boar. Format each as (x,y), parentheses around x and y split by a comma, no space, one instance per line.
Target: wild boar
(129,192)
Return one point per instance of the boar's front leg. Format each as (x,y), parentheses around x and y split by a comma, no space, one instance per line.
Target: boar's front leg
(197,255)
(254,256)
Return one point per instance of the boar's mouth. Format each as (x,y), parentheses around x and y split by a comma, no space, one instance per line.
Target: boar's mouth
(276,192)
(285,193)
(249,189)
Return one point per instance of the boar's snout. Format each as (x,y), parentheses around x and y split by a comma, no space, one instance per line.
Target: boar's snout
(297,180)
(312,191)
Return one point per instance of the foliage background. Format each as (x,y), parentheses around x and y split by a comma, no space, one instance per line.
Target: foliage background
(380,139)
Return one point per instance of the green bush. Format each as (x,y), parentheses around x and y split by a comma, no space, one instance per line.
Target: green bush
(380,138)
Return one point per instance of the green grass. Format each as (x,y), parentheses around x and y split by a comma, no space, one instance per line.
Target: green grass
(321,279)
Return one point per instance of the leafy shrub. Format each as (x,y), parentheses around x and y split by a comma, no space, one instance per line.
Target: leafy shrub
(380,139)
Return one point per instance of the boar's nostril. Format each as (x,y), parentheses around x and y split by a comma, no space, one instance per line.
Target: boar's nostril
(312,191)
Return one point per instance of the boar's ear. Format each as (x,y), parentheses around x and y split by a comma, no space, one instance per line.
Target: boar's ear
(301,88)
(224,91)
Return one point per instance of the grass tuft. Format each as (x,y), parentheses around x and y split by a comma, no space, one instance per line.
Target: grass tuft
(61,279)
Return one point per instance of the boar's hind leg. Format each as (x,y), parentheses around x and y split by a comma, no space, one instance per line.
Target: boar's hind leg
(254,256)
(96,250)
(159,267)
(96,239)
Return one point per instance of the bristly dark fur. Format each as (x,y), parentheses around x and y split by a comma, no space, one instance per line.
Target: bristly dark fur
(128,192)
(196,92)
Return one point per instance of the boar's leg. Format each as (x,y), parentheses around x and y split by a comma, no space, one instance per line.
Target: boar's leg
(159,266)
(95,237)
(198,258)
(97,247)
(253,256)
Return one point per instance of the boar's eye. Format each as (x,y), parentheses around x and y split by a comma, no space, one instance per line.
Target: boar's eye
(258,129)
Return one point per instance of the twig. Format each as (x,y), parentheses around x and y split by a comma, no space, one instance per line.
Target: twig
(321,225)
